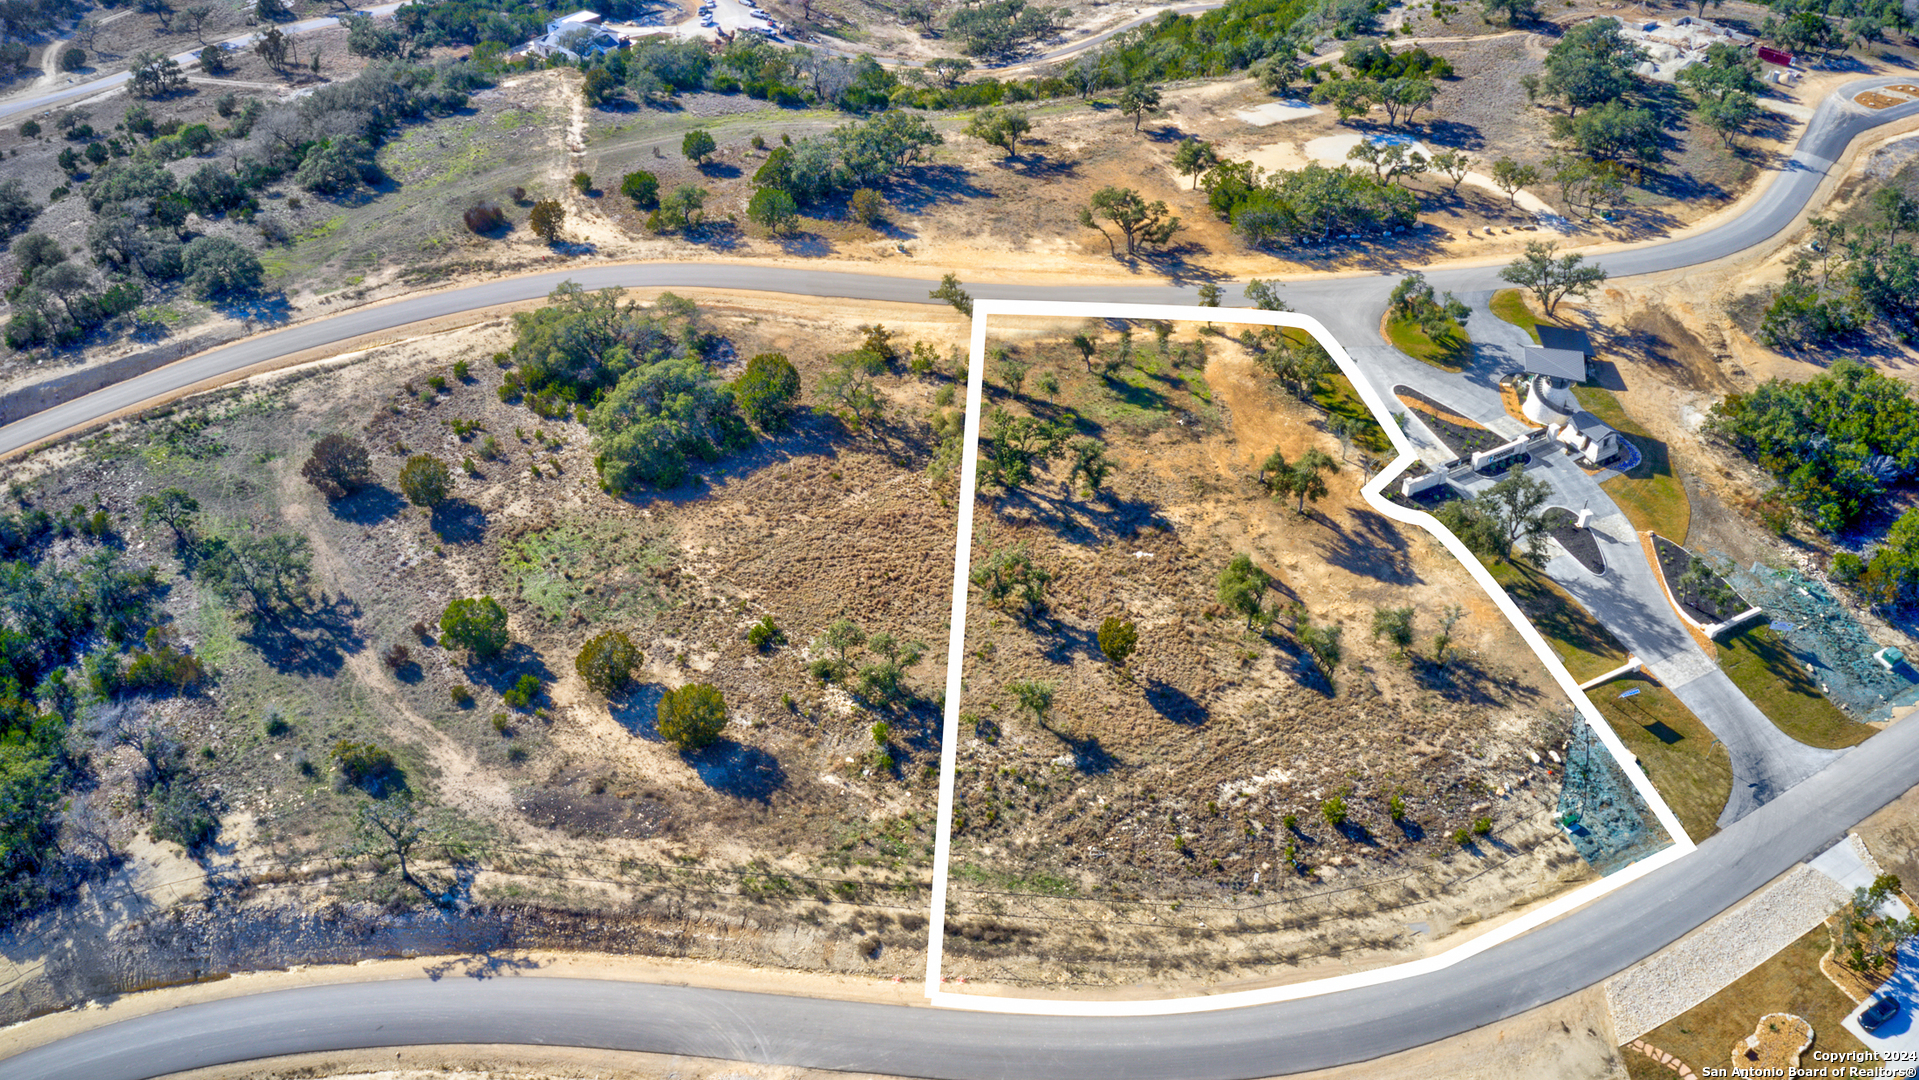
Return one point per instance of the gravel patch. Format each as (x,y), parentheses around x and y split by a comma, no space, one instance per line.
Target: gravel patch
(1708,960)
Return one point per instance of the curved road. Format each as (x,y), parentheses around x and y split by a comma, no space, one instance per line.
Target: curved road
(1569,954)
(108,83)
(1584,947)
(1351,306)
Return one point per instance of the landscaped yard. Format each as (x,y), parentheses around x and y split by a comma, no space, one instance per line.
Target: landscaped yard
(1563,524)
(1790,982)
(1765,671)
(1448,353)
(1681,758)
(1459,434)
(1510,305)
(1705,600)
(1587,648)
(1651,495)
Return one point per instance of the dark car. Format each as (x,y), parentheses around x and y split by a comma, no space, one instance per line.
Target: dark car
(1881,1011)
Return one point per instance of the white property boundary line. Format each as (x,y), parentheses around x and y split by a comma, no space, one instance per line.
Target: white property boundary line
(984,310)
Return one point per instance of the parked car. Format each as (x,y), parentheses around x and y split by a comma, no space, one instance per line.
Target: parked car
(1878,1013)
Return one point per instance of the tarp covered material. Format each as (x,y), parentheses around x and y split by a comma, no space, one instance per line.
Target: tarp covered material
(1612,826)
(1828,641)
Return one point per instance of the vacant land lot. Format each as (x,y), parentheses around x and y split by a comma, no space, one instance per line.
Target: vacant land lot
(546,793)
(1264,785)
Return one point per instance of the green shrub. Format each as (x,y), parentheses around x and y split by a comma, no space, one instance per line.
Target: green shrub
(765,634)
(606,662)
(364,764)
(692,716)
(642,187)
(1334,810)
(1846,567)
(768,390)
(521,694)
(181,815)
(461,696)
(425,480)
(1118,639)
(477,624)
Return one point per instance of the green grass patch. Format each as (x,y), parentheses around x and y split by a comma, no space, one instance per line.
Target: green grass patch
(1682,759)
(1510,305)
(1652,494)
(1337,396)
(1789,982)
(515,119)
(1587,648)
(1767,672)
(595,569)
(1041,883)
(1447,353)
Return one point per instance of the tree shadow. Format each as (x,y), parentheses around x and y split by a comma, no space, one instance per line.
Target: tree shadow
(481,965)
(1174,704)
(720,170)
(1357,833)
(368,506)
(1307,671)
(806,245)
(1065,643)
(501,672)
(1037,167)
(717,235)
(458,521)
(262,309)
(1083,519)
(744,772)
(313,642)
(1089,756)
(1373,549)
(1461,679)
(1453,134)
(1410,829)
(639,712)
(934,183)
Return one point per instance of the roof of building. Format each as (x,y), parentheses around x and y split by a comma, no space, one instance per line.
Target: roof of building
(1565,337)
(1564,364)
(580,16)
(1590,426)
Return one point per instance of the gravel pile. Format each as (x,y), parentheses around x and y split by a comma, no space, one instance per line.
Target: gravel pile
(1705,962)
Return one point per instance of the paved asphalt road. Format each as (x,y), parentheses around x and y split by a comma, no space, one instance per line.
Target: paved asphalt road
(1575,951)
(91,87)
(1351,307)
(1569,954)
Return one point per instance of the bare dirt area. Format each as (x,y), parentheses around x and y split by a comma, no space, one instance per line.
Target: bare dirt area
(1241,801)
(561,804)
